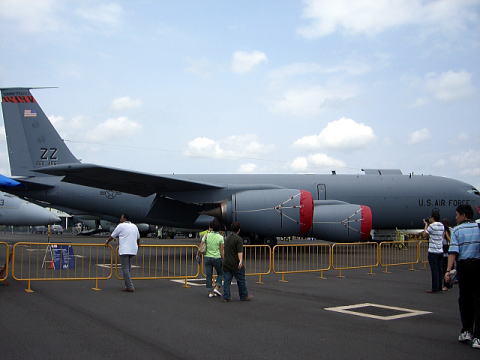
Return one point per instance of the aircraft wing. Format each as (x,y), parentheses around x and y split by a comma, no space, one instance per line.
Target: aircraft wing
(122,180)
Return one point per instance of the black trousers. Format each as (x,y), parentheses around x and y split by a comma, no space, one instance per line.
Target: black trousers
(469,297)
(435,261)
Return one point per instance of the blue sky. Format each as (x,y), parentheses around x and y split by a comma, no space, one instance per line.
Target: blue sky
(254,86)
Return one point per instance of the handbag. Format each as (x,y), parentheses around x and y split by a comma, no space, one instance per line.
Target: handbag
(202,248)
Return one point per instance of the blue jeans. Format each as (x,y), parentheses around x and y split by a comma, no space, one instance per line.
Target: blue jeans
(435,261)
(209,264)
(239,275)
(126,261)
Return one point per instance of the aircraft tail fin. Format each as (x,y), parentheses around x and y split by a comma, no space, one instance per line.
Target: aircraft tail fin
(32,140)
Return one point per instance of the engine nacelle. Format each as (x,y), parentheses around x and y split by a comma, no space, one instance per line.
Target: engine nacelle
(278,212)
(337,221)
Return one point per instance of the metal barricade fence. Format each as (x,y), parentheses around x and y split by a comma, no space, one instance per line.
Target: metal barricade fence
(301,258)
(349,256)
(53,261)
(4,259)
(257,261)
(162,262)
(423,253)
(397,253)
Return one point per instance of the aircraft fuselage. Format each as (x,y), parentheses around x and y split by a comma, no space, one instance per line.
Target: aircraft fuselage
(396,201)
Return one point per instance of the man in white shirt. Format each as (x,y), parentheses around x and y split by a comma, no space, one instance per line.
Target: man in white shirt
(128,239)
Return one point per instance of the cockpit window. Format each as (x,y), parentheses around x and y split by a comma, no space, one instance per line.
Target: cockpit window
(474,191)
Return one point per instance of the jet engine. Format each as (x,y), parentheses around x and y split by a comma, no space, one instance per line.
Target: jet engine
(293,212)
(338,221)
(278,212)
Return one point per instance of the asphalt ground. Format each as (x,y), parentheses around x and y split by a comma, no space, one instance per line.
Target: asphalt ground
(163,320)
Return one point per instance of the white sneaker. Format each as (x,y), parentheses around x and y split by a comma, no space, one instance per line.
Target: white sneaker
(211,294)
(465,336)
(217,292)
(476,343)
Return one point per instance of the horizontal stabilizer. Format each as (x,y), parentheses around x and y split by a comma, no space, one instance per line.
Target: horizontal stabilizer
(7,182)
(28,185)
(131,182)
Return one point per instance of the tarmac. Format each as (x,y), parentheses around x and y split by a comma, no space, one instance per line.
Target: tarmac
(163,320)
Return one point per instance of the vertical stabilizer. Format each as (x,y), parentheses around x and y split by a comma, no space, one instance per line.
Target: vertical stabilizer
(32,140)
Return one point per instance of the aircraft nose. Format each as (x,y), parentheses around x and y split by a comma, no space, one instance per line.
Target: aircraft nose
(53,219)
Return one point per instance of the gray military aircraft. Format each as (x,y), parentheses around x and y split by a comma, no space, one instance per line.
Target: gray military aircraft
(16,211)
(340,208)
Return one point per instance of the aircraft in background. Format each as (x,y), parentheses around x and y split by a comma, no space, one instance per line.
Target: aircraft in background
(91,225)
(339,208)
(16,211)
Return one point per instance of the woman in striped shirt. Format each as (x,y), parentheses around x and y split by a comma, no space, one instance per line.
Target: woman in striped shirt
(435,229)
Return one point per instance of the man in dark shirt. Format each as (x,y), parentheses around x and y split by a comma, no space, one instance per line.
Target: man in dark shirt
(233,264)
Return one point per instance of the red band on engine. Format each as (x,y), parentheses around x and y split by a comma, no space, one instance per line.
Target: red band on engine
(306,211)
(366,224)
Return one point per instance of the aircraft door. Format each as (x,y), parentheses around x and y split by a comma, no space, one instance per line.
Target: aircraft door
(321,192)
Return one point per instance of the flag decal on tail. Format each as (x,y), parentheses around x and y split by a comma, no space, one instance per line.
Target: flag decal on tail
(29,113)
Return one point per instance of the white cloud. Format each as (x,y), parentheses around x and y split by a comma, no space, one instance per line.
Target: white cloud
(375,16)
(343,133)
(299,164)
(108,14)
(311,101)
(243,62)
(32,16)
(56,120)
(247,168)
(125,102)
(419,102)
(69,129)
(302,69)
(468,162)
(200,67)
(449,85)
(315,162)
(440,163)
(231,147)
(419,136)
(119,127)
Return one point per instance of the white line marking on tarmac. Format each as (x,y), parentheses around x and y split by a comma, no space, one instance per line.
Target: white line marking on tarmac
(190,282)
(193,283)
(406,312)
(116,266)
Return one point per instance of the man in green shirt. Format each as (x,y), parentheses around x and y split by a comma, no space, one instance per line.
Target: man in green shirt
(233,265)
(213,258)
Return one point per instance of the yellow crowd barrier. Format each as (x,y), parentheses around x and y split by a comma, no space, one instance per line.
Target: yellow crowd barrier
(32,261)
(4,260)
(397,253)
(257,261)
(423,252)
(349,256)
(301,258)
(162,262)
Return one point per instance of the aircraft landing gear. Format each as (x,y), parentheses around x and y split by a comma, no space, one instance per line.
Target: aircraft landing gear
(270,240)
(255,239)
